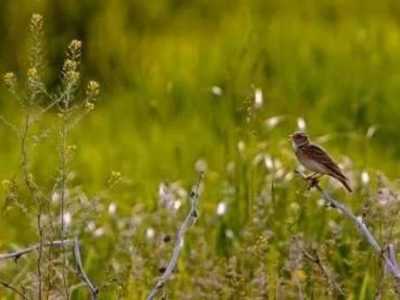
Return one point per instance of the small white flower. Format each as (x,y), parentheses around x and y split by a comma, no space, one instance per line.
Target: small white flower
(150,233)
(177,204)
(112,208)
(385,196)
(258,98)
(241,146)
(67,218)
(371,131)
(273,121)
(200,166)
(216,90)
(221,208)
(321,202)
(289,176)
(98,232)
(360,219)
(280,173)
(182,243)
(301,124)
(229,234)
(365,177)
(258,158)
(55,197)
(269,163)
(91,226)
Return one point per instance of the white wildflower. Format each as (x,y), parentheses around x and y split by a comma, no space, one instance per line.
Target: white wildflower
(150,233)
(112,208)
(258,98)
(91,226)
(273,121)
(201,166)
(229,234)
(98,232)
(268,161)
(67,218)
(221,208)
(365,177)
(301,124)
(216,90)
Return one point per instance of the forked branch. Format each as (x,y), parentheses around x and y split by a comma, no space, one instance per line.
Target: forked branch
(387,255)
(57,244)
(187,223)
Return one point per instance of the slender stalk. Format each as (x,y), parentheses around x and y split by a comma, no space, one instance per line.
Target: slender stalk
(32,190)
(78,260)
(387,255)
(63,159)
(19,253)
(314,258)
(61,243)
(187,223)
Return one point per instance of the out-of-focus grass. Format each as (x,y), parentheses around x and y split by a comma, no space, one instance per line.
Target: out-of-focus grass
(333,63)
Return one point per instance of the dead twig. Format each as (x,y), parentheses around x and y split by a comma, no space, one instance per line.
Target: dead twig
(388,256)
(77,255)
(94,291)
(17,254)
(314,258)
(187,223)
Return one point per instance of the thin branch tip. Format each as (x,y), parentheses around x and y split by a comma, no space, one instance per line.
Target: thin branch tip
(180,235)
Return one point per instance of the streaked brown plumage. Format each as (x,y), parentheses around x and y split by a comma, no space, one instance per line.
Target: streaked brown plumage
(316,159)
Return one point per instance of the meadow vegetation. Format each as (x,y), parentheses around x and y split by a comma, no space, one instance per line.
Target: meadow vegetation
(188,88)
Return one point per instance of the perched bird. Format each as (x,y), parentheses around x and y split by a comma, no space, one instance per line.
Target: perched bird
(316,159)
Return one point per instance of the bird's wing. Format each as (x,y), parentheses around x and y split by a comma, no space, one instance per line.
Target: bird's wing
(320,155)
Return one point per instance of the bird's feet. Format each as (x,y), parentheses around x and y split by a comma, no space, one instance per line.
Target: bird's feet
(312,182)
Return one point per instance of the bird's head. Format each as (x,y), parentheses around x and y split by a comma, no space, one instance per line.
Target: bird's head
(299,138)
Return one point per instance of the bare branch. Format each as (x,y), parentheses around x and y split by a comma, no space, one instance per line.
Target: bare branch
(314,258)
(78,260)
(17,254)
(77,255)
(389,258)
(13,289)
(187,223)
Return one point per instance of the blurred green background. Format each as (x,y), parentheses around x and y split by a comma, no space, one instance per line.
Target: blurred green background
(178,82)
(334,63)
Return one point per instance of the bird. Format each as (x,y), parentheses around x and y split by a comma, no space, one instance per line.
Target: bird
(317,160)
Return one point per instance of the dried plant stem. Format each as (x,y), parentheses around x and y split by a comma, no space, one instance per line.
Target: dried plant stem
(78,260)
(63,163)
(13,289)
(317,260)
(32,190)
(187,223)
(61,243)
(19,253)
(387,255)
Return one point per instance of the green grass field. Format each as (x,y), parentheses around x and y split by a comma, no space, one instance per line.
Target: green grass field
(178,93)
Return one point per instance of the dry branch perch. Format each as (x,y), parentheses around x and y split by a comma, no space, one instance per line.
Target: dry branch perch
(387,256)
(78,260)
(17,254)
(187,223)
(77,255)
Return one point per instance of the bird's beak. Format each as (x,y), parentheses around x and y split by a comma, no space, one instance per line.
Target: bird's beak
(290,136)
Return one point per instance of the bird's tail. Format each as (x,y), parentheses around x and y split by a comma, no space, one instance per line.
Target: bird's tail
(346,183)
